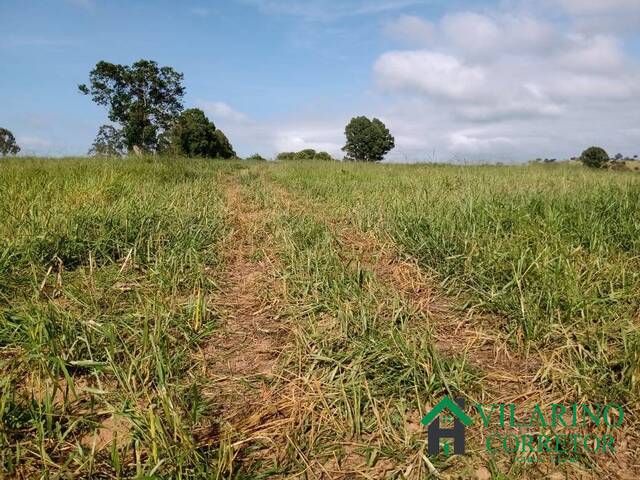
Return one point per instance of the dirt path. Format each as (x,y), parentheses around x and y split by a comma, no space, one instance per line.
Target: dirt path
(241,356)
(507,377)
(259,405)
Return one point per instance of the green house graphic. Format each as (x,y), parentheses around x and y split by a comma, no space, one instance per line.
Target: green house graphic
(456,433)
(447,404)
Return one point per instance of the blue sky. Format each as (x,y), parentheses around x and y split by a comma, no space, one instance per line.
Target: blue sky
(453,80)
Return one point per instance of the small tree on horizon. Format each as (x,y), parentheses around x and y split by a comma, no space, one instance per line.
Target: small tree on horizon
(8,144)
(367,140)
(594,157)
(108,142)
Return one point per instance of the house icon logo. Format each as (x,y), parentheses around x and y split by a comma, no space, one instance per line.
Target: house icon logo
(447,411)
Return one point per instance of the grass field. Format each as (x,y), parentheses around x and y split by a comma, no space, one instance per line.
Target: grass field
(211,319)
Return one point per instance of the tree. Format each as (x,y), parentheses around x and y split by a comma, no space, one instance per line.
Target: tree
(109,142)
(256,157)
(367,140)
(324,156)
(306,154)
(594,157)
(143,98)
(284,156)
(8,145)
(194,135)
(225,150)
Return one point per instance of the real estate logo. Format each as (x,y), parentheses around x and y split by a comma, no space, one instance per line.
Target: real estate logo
(556,432)
(436,432)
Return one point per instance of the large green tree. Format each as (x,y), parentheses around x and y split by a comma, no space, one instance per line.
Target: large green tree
(194,135)
(143,98)
(8,144)
(367,140)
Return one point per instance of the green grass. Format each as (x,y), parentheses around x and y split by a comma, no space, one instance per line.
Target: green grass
(110,275)
(107,267)
(554,249)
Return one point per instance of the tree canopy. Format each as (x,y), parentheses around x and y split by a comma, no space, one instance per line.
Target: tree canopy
(194,135)
(8,144)
(367,140)
(143,98)
(594,157)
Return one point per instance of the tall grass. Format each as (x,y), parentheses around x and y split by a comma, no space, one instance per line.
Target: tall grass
(106,268)
(553,249)
(109,273)
(360,369)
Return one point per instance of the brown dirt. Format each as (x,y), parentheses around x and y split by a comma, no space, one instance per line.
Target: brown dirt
(112,429)
(241,356)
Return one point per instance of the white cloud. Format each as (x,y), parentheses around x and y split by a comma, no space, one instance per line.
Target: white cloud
(296,131)
(221,111)
(472,142)
(428,72)
(511,83)
(471,32)
(592,53)
(601,15)
(317,137)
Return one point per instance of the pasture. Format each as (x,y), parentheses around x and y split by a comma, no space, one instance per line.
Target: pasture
(184,318)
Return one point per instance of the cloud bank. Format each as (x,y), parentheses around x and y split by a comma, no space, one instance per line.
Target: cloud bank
(508,84)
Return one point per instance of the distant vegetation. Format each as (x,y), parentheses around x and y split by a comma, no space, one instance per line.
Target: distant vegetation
(145,101)
(108,143)
(595,157)
(256,157)
(307,154)
(8,145)
(194,135)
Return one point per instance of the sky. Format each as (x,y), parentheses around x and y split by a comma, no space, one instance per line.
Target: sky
(454,81)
